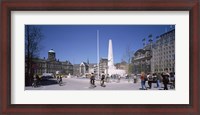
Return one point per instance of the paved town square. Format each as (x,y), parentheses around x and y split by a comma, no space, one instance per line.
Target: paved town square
(84,84)
(117,58)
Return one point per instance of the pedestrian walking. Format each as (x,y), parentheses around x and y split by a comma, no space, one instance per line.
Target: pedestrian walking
(150,80)
(135,78)
(142,77)
(165,80)
(118,78)
(172,80)
(108,78)
(156,79)
(102,79)
(60,80)
(35,80)
(38,80)
(92,80)
(128,76)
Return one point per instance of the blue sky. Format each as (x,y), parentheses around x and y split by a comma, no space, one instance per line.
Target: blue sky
(78,43)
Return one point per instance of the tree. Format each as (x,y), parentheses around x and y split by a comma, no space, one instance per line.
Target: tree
(144,41)
(33,37)
(130,68)
(150,36)
(150,39)
(127,57)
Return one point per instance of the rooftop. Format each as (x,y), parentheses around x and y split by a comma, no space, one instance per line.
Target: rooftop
(52,51)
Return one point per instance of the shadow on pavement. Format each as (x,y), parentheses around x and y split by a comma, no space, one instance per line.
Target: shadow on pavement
(142,89)
(48,82)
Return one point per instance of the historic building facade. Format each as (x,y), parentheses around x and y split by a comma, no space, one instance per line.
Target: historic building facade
(142,61)
(76,70)
(84,68)
(156,57)
(164,53)
(51,65)
(103,65)
(123,66)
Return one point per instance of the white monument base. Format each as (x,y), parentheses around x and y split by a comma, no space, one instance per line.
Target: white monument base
(120,72)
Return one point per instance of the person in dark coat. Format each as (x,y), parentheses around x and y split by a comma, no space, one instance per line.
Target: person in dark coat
(150,80)
(102,79)
(38,80)
(60,80)
(157,79)
(165,81)
(92,79)
(35,80)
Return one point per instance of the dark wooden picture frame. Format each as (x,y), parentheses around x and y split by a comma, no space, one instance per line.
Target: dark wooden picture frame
(99,5)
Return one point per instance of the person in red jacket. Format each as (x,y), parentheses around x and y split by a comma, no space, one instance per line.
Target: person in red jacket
(142,77)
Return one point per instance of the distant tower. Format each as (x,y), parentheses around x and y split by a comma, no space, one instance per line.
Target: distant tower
(110,55)
(51,55)
(88,61)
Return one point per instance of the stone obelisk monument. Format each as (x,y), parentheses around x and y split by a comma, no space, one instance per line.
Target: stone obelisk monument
(110,54)
(111,66)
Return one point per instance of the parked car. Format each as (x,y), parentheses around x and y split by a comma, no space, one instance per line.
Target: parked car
(47,76)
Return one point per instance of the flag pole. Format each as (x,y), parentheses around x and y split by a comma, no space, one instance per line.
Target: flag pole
(98,54)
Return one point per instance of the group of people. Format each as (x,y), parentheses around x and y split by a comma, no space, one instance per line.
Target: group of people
(164,78)
(59,79)
(92,80)
(36,81)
